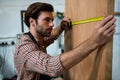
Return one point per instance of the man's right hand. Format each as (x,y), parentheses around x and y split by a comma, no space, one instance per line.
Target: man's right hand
(66,23)
(104,30)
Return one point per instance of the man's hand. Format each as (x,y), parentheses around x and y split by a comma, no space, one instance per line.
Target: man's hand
(104,30)
(66,23)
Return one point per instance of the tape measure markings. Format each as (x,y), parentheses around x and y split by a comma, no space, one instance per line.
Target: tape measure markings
(87,20)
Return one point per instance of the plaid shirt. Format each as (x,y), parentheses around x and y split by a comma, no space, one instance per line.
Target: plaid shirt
(30,60)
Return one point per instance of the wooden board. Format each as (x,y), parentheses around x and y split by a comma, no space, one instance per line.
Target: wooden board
(94,67)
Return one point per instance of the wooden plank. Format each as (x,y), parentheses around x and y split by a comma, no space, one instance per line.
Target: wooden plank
(96,66)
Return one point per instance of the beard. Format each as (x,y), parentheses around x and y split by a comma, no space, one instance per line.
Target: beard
(44,33)
(43,30)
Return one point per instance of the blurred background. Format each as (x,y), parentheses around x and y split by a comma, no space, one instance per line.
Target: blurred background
(12,27)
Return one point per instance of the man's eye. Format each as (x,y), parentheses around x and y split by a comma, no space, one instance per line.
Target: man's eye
(52,19)
(48,20)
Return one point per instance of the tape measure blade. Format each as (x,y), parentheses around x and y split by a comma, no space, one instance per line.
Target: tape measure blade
(87,20)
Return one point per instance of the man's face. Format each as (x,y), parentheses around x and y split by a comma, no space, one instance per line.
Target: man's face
(44,24)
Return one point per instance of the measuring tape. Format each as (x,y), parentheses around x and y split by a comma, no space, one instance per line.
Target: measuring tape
(99,18)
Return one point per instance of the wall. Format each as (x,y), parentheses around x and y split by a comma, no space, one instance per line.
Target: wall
(10,16)
(116,45)
(10,26)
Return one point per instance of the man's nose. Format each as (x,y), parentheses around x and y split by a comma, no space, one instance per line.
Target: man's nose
(51,24)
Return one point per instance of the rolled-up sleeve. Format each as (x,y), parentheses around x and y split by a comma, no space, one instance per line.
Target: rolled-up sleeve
(38,61)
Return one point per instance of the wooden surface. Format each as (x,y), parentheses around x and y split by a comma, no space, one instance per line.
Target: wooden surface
(98,65)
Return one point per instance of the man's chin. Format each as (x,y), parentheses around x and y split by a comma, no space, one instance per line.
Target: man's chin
(47,35)
(44,34)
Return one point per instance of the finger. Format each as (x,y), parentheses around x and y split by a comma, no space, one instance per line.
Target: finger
(110,29)
(67,19)
(109,24)
(111,33)
(105,20)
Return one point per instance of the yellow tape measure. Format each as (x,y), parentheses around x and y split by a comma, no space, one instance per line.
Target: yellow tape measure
(87,20)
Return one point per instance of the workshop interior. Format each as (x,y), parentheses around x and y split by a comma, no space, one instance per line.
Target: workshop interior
(12,27)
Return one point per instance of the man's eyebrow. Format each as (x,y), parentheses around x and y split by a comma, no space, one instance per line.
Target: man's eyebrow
(49,18)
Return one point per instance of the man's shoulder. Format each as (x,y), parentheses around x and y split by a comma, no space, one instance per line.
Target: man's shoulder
(24,39)
(25,36)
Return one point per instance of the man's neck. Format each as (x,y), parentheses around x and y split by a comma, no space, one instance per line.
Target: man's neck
(39,38)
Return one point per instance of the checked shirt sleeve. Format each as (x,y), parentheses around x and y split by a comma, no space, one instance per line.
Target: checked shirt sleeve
(38,61)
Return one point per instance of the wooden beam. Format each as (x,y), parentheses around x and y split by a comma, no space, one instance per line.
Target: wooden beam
(98,65)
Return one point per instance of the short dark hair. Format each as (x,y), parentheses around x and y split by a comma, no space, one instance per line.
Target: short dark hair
(35,9)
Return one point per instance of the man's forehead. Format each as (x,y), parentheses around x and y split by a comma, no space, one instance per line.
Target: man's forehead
(47,13)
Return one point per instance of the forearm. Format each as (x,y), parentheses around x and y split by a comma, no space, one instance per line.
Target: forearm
(76,55)
(56,32)
(48,65)
(54,35)
(64,25)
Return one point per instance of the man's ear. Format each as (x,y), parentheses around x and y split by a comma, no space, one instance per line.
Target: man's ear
(32,21)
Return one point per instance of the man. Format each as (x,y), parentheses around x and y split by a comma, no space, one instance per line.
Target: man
(31,60)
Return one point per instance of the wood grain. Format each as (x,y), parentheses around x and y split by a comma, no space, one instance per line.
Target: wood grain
(98,65)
